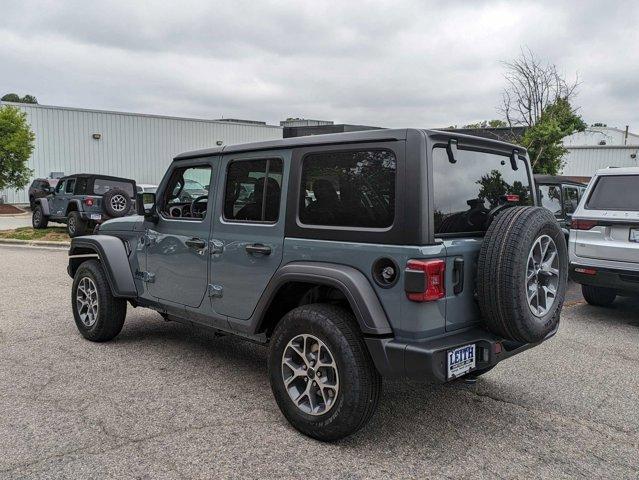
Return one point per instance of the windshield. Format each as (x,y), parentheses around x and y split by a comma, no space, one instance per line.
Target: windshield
(466,191)
(615,192)
(193,185)
(103,185)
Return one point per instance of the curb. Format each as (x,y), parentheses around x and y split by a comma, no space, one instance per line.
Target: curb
(34,243)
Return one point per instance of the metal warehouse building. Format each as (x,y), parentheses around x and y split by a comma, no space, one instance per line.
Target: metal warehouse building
(600,147)
(132,145)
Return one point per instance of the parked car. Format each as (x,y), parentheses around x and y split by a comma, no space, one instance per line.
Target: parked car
(83,201)
(560,195)
(604,238)
(39,188)
(146,188)
(353,256)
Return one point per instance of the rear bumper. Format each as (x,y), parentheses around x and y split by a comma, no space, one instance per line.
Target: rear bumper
(427,360)
(623,281)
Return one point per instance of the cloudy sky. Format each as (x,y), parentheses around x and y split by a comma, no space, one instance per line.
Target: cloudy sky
(395,63)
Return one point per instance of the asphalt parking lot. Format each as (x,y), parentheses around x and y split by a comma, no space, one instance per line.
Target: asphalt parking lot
(166,401)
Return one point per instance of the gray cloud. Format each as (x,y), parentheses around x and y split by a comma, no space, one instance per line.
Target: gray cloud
(411,63)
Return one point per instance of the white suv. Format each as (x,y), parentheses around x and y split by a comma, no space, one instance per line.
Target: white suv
(604,237)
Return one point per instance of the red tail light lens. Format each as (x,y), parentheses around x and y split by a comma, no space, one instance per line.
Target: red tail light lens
(88,202)
(512,198)
(583,224)
(432,287)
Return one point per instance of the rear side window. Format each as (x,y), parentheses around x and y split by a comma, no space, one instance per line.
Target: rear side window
(70,185)
(466,191)
(253,190)
(351,189)
(550,198)
(103,185)
(615,192)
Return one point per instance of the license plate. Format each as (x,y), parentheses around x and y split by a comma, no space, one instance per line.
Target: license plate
(634,235)
(96,216)
(461,360)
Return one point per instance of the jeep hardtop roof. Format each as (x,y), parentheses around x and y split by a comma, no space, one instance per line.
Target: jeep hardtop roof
(378,135)
(96,175)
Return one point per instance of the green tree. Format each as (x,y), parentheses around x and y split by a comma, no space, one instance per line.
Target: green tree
(544,139)
(12,97)
(16,146)
(487,124)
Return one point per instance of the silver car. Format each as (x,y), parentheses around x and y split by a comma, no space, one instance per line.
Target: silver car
(604,237)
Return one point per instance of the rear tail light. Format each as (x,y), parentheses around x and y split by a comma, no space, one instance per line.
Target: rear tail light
(582,224)
(424,280)
(88,202)
(586,271)
(512,198)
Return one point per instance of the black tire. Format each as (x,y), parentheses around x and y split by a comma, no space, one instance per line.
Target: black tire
(111,311)
(76,227)
(38,218)
(116,203)
(360,384)
(502,274)
(598,296)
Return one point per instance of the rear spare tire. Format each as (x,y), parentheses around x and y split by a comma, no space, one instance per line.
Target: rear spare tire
(116,203)
(522,274)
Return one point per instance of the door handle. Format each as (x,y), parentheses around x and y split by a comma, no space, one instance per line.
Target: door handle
(458,275)
(258,248)
(195,243)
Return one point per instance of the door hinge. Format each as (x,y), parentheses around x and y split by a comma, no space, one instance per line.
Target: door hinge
(215,290)
(147,277)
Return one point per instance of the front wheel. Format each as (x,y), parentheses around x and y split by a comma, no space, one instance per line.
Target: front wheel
(98,315)
(38,219)
(321,373)
(598,296)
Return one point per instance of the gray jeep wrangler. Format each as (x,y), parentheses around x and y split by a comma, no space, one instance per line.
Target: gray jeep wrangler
(83,201)
(399,253)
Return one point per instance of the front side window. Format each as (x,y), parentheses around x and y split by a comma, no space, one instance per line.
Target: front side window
(253,190)
(615,192)
(466,191)
(60,186)
(550,198)
(349,189)
(571,199)
(185,196)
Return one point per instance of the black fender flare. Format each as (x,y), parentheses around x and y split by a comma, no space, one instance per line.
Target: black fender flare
(44,204)
(357,289)
(78,206)
(112,254)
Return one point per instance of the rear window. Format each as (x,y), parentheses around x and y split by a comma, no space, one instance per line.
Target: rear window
(466,191)
(103,185)
(615,192)
(348,189)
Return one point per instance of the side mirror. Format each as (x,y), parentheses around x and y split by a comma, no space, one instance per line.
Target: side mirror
(49,190)
(145,205)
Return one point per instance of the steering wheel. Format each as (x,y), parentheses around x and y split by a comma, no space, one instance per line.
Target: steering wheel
(197,200)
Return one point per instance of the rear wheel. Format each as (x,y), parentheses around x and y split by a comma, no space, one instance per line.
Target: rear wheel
(76,227)
(98,315)
(598,296)
(321,374)
(38,219)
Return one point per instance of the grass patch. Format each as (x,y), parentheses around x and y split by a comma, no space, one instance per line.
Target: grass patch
(52,234)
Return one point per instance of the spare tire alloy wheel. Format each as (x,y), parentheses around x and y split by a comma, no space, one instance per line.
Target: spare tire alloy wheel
(522,274)
(87,303)
(542,275)
(118,203)
(310,374)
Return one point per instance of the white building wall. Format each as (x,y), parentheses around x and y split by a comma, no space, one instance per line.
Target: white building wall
(594,135)
(132,145)
(584,161)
